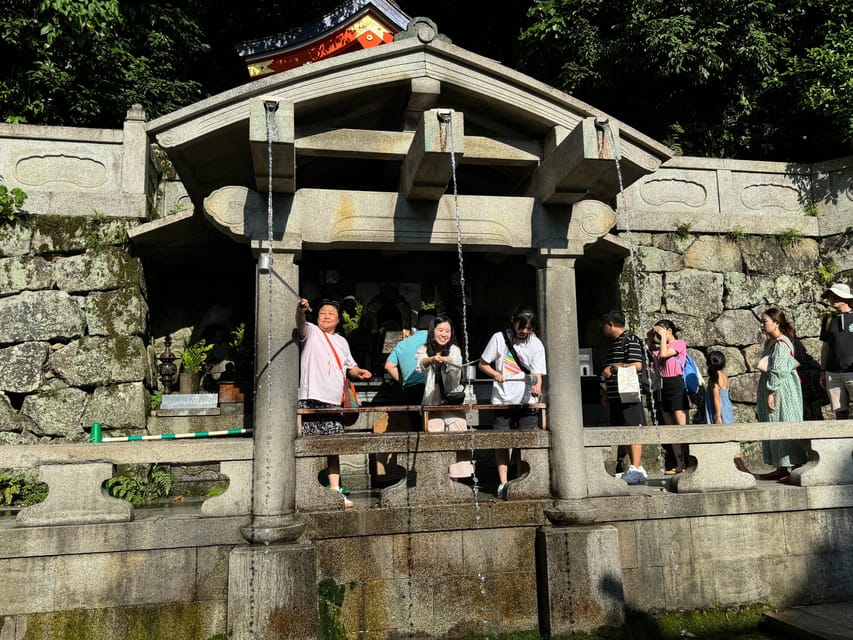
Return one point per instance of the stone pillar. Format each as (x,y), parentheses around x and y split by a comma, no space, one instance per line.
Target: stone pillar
(580,579)
(277,376)
(558,309)
(277,589)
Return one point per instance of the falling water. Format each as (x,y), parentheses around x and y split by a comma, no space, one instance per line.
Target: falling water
(446,119)
(617,157)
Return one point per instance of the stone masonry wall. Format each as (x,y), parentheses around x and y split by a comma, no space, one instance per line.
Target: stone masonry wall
(73,315)
(715,287)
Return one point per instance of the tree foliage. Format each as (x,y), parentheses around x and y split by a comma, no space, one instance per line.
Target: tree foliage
(763,79)
(729,78)
(84,63)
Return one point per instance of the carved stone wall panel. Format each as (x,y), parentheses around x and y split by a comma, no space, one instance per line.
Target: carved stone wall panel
(64,166)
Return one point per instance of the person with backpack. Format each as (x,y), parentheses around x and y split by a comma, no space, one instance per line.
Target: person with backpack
(626,351)
(670,358)
(513,357)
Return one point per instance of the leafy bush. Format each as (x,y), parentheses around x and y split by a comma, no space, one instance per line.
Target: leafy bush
(17,490)
(11,202)
(141,485)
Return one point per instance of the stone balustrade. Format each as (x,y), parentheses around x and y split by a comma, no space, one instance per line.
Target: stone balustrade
(829,444)
(76,473)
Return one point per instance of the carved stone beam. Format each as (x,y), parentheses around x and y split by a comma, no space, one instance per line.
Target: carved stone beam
(426,171)
(424,95)
(574,164)
(271,118)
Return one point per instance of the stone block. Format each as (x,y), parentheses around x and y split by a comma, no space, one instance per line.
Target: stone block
(120,406)
(24,273)
(56,413)
(400,605)
(22,366)
(356,559)
(713,253)
(737,582)
(488,551)
(27,585)
(832,466)
(694,293)
(766,255)
(122,312)
(34,316)
(429,554)
(650,259)
(755,535)
(75,496)
(665,542)
(737,328)
(101,580)
(15,240)
(580,579)
(97,361)
(104,270)
(211,573)
(272,593)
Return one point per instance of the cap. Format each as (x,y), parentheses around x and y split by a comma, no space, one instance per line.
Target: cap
(840,290)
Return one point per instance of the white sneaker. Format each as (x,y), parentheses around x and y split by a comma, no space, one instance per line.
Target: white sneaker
(635,475)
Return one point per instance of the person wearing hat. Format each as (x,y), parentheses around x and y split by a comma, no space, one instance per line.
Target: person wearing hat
(836,356)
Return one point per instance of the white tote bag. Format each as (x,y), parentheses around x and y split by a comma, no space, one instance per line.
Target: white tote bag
(628,384)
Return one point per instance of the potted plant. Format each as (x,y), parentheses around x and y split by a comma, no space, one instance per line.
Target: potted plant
(235,383)
(193,359)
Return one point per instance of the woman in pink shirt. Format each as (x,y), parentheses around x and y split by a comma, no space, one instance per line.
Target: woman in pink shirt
(670,357)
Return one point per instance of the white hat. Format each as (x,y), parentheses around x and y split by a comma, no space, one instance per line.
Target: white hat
(840,290)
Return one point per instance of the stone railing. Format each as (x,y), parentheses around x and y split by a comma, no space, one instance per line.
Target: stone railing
(75,475)
(830,446)
(72,171)
(710,195)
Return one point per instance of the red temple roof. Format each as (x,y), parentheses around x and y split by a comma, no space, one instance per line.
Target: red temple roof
(353,25)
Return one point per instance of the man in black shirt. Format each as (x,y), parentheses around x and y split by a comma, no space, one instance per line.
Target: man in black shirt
(836,356)
(627,350)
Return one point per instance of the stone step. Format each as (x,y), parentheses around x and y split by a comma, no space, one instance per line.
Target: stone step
(832,621)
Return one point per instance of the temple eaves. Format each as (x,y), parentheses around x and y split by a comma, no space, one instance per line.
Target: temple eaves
(352,25)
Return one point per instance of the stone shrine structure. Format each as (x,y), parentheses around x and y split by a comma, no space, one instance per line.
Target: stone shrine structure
(349,161)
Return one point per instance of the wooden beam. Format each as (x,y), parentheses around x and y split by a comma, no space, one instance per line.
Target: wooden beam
(271,117)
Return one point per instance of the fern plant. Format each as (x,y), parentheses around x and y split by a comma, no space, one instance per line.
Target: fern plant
(194,356)
(141,487)
(16,490)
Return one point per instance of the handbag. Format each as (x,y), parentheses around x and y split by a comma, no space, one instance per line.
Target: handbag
(349,399)
(628,384)
(452,397)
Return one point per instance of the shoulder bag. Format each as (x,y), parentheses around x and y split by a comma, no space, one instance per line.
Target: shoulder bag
(349,399)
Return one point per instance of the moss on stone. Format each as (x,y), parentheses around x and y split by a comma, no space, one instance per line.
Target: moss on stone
(330,598)
(65,232)
(180,621)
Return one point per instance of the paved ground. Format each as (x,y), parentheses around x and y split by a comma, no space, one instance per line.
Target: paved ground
(816,622)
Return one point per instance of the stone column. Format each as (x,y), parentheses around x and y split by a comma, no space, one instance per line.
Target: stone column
(277,383)
(558,309)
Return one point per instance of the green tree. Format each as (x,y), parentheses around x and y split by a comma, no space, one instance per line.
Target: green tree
(84,63)
(728,78)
